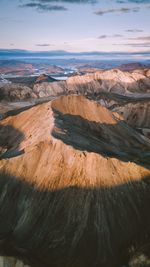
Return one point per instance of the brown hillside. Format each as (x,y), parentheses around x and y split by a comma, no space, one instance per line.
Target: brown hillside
(74,185)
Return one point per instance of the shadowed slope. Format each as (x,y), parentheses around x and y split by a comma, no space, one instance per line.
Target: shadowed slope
(91,127)
(73,226)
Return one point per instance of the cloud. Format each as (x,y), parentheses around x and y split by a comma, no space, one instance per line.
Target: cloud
(92,1)
(110,36)
(103,36)
(133,1)
(139,44)
(117,35)
(44,45)
(141,38)
(140,41)
(101,12)
(144,44)
(43,7)
(133,30)
(66,1)
(66,43)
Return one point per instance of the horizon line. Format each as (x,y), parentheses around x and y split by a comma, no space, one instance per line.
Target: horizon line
(73,52)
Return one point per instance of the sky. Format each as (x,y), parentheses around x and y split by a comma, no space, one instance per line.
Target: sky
(75,25)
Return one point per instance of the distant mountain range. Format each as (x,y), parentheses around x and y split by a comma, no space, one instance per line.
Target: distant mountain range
(107,55)
(20,67)
(58,61)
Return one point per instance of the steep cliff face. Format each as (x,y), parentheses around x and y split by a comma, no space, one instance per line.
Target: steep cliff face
(133,110)
(136,114)
(74,185)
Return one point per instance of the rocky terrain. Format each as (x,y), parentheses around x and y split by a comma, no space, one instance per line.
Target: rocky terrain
(22,68)
(15,92)
(133,66)
(31,80)
(74,151)
(74,186)
(127,93)
(21,88)
(16,68)
(112,81)
(133,109)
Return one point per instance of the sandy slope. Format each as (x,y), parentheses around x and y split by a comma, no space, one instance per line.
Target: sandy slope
(70,127)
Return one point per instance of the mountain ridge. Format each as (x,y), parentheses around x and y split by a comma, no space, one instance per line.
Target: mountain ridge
(72,161)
